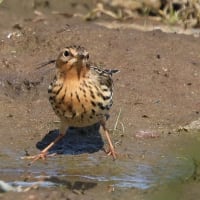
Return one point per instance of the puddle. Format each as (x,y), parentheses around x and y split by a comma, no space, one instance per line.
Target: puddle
(144,176)
(154,170)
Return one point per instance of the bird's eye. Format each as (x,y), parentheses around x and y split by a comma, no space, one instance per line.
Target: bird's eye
(87,56)
(66,53)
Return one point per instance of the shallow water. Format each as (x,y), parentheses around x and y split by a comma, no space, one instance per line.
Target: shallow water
(153,171)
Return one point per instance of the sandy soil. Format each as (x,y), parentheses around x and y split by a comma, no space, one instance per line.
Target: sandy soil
(157,90)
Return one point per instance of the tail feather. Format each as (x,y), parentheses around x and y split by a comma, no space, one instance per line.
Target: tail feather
(104,71)
(112,71)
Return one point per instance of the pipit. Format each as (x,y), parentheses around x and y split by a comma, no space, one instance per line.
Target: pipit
(80,94)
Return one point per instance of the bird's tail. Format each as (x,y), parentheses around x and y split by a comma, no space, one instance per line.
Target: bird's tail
(112,71)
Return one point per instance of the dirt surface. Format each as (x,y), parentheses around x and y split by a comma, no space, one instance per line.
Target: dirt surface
(156,91)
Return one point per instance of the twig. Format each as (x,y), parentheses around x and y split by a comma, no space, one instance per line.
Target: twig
(41,65)
(117,120)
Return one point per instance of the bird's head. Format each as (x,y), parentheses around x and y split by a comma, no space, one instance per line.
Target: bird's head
(72,59)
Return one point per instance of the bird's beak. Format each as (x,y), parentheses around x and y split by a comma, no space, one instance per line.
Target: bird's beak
(80,57)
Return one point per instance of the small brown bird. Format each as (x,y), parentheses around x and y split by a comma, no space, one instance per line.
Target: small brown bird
(80,94)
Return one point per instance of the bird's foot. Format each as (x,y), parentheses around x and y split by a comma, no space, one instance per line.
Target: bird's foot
(42,155)
(112,152)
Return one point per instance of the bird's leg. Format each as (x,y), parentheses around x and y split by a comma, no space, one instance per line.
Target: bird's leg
(111,148)
(43,154)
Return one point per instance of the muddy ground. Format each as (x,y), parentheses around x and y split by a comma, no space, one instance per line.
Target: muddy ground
(156,93)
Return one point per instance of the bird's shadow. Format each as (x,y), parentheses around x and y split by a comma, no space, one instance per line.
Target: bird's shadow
(76,141)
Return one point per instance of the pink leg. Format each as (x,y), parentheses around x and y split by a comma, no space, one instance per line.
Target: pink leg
(43,154)
(111,150)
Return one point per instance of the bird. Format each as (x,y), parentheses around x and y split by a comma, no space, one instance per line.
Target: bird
(81,94)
